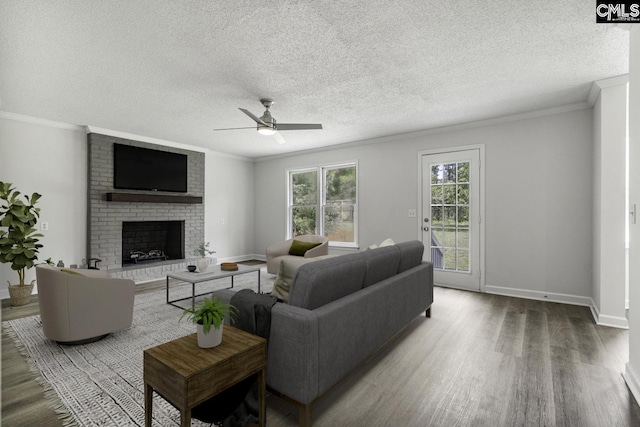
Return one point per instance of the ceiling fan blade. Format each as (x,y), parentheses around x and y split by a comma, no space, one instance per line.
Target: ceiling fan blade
(297,126)
(279,138)
(250,127)
(250,114)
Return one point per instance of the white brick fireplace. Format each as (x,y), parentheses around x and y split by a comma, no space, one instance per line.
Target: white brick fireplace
(109,208)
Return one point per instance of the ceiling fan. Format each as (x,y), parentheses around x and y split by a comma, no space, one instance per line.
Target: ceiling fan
(267,125)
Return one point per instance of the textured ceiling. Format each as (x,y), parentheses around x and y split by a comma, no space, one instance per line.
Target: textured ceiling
(175,70)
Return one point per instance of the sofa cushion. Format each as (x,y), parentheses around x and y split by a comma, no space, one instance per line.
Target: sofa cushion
(382,263)
(318,283)
(410,254)
(286,271)
(298,247)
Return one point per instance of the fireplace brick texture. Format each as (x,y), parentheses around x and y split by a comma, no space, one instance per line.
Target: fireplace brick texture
(105,218)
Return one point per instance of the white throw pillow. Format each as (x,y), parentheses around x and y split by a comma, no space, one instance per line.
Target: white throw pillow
(387,242)
(286,271)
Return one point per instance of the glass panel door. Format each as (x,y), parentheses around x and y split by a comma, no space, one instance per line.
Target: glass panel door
(450,225)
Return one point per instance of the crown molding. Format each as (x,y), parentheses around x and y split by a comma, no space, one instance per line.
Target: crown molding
(156,141)
(443,129)
(598,85)
(141,138)
(41,122)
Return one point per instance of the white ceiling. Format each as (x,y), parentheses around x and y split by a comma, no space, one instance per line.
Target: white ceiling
(176,69)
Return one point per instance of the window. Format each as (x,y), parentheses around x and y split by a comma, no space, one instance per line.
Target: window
(450,216)
(323,200)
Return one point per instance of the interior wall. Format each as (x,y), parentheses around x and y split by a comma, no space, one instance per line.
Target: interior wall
(609,158)
(597,201)
(50,159)
(632,373)
(538,198)
(229,206)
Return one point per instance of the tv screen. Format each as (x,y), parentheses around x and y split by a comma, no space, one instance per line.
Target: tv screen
(138,168)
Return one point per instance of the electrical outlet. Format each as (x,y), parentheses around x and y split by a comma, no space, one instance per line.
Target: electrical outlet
(412,213)
(44,226)
(222,221)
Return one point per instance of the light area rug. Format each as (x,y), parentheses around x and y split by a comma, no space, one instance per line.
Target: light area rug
(101,384)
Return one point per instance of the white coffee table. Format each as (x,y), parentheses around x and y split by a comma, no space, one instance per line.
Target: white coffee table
(214,272)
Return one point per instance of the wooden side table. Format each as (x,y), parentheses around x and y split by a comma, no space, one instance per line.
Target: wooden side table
(186,375)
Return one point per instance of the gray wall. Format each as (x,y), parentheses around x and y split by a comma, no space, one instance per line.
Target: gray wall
(632,372)
(230,208)
(51,159)
(538,197)
(539,167)
(609,213)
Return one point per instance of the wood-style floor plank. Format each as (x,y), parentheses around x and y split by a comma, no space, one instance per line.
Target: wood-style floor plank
(480,360)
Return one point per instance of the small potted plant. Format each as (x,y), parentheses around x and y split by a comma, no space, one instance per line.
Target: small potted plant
(202,251)
(18,238)
(209,319)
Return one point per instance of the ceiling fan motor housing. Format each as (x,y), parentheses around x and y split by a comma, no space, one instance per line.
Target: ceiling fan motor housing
(266,117)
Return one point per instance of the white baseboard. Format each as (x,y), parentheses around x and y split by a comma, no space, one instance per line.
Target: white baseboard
(606,320)
(539,295)
(601,320)
(633,382)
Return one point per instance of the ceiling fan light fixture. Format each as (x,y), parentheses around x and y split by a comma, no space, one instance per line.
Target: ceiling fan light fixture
(265,130)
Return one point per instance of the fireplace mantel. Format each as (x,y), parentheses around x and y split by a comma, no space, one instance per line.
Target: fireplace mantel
(152,198)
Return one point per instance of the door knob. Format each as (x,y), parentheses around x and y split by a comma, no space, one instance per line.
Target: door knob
(426,228)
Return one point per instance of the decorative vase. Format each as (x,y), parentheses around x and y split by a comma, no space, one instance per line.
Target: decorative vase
(212,339)
(20,295)
(203,263)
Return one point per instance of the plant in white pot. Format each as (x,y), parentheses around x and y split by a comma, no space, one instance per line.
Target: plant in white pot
(18,238)
(202,251)
(209,319)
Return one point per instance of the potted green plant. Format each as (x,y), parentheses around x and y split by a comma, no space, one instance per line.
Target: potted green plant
(19,238)
(210,313)
(202,251)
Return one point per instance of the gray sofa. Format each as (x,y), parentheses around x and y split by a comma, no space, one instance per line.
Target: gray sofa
(341,310)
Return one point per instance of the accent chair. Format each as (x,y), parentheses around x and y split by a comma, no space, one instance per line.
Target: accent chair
(278,251)
(82,305)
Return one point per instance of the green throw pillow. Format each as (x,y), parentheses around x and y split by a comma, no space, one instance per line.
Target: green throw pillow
(298,247)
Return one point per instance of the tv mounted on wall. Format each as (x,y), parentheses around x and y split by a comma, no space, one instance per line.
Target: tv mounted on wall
(136,168)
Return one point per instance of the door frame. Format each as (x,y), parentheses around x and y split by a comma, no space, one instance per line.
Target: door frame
(444,150)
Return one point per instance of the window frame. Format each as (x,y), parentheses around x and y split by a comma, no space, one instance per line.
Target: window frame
(321,171)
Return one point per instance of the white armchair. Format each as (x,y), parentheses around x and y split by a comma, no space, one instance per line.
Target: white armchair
(79,306)
(278,251)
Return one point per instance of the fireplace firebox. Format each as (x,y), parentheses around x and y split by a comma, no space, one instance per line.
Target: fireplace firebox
(144,241)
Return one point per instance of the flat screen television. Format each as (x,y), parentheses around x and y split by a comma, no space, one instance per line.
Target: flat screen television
(136,168)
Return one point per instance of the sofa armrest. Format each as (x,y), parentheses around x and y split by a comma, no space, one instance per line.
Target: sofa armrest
(280,248)
(292,354)
(320,250)
(292,362)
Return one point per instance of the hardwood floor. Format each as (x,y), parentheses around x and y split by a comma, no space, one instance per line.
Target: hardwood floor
(480,360)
